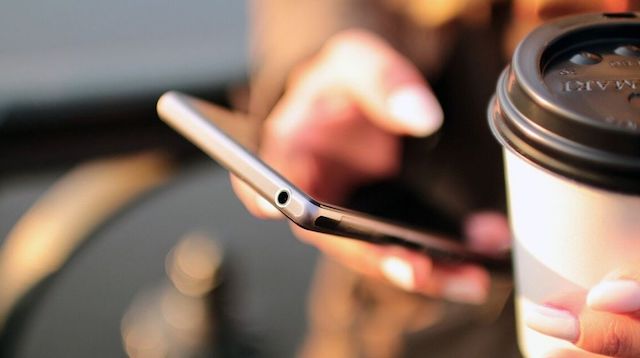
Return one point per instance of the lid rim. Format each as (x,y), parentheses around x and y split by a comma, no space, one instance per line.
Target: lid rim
(602,180)
(540,122)
(541,137)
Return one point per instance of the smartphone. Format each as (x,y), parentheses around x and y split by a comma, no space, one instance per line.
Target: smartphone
(223,136)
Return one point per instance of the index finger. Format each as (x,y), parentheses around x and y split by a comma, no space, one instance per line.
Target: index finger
(386,86)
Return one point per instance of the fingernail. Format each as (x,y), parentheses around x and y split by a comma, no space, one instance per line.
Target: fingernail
(267,208)
(416,108)
(617,296)
(488,233)
(464,290)
(551,321)
(398,271)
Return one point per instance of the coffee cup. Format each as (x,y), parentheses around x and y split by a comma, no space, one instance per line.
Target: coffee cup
(567,113)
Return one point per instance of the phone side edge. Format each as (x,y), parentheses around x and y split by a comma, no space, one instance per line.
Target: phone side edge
(177,110)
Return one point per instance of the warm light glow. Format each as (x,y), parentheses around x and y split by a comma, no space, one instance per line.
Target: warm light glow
(192,266)
(142,329)
(49,232)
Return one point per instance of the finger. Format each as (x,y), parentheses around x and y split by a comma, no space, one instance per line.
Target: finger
(387,87)
(406,269)
(324,145)
(255,204)
(597,332)
(619,292)
(551,321)
(609,334)
(488,232)
(333,90)
(460,283)
(289,140)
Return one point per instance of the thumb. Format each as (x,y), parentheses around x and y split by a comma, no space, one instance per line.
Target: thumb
(619,292)
(597,332)
(609,323)
(609,334)
(385,85)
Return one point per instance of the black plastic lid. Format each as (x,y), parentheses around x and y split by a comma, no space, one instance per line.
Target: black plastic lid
(570,101)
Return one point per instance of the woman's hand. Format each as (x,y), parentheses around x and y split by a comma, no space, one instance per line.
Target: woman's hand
(604,322)
(337,127)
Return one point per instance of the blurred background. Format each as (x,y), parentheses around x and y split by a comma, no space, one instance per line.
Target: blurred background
(116,236)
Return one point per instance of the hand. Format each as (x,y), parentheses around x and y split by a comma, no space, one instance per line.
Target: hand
(605,322)
(337,127)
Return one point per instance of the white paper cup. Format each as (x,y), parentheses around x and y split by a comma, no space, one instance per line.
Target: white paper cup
(572,161)
(567,237)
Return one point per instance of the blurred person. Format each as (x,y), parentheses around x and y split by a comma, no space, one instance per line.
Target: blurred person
(356,92)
